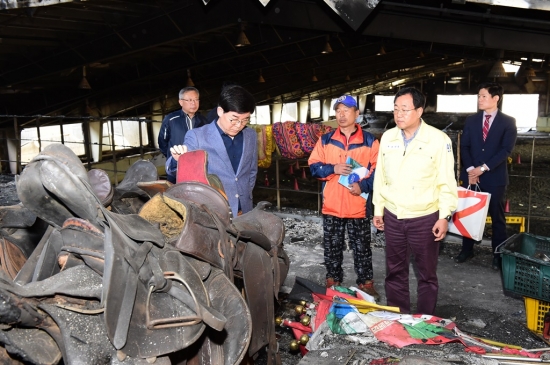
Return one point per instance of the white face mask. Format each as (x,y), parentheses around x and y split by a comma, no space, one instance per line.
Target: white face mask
(359,119)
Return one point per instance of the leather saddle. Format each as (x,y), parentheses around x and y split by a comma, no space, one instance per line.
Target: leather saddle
(153,299)
(128,197)
(196,219)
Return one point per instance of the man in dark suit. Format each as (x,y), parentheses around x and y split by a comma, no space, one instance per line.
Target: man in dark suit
(487,140)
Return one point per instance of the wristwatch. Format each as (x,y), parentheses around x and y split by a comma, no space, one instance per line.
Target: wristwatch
(448,218)
(483,169)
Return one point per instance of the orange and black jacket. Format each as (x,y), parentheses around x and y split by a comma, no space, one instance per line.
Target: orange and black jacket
(334,148)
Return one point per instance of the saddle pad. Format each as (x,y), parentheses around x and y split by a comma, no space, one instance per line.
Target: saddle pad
(192,166)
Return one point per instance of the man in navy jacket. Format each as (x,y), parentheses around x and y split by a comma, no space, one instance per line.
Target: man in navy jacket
(487,140)
(176,125)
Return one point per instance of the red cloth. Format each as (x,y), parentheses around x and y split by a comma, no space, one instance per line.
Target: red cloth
(476,350)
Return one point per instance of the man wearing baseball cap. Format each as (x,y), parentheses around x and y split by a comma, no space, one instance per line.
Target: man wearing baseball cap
(343,207)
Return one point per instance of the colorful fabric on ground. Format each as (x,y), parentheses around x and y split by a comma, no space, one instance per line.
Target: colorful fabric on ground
(344,319)
(402,330)
(323,308)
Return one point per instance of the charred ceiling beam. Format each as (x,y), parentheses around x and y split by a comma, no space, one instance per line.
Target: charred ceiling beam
(154,29)
(490,30)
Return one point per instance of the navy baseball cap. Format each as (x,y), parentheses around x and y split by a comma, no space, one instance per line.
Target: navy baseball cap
(347,100)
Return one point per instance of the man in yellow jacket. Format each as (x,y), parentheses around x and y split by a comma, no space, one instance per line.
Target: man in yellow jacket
(415,192)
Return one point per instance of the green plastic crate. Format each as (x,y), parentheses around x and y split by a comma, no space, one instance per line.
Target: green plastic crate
(526,265)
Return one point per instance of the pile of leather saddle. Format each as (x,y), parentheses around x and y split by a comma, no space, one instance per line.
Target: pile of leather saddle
(142,273)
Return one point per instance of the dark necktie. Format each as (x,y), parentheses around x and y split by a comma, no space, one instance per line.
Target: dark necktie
(486,126)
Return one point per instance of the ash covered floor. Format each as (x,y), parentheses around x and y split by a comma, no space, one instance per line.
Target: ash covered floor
(471,294)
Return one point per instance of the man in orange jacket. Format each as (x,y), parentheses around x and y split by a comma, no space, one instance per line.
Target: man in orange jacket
(345,207)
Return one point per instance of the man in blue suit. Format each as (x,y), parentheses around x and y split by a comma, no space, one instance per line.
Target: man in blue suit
(232,148)
(487,140)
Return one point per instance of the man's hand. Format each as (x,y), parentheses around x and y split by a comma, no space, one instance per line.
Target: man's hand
(177,151)
(475,172)
(378,222)
(342,169)
(440,229)
(355,189)
(473,180)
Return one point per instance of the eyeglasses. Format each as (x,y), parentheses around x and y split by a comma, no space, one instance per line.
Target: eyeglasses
(403,111)
(236,121)
(191,100)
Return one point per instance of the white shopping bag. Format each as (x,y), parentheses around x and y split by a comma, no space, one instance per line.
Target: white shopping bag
(469,218)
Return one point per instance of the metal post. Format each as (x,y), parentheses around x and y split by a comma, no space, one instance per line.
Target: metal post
(113,151)
(18,147)
(530,184)
(140,137)
(61,131)
(38,135)
(458,156)
(277,183)
(87,143)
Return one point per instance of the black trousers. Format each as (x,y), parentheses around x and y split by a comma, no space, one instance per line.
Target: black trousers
(359,241)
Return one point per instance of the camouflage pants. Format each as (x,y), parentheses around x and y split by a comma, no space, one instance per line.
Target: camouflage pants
(334,245)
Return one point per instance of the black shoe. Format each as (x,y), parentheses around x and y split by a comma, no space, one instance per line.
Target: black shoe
(497,263)
(463,256)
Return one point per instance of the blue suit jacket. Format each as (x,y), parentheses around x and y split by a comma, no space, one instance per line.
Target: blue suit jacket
(238,186)
(493,152)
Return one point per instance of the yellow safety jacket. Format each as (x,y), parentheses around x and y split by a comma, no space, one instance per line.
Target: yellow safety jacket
(417,181)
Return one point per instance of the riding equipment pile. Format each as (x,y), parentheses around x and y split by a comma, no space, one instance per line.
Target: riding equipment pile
(95,283)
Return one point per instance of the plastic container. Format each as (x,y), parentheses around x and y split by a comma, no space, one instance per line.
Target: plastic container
(535,310)
(526,265)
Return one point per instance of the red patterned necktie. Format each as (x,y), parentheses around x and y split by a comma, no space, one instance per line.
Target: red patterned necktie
(486,126)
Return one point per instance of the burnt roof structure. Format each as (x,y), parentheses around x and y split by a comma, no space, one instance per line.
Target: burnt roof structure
(117,57)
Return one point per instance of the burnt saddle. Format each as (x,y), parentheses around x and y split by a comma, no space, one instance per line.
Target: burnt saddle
(196,218)
(102,287)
